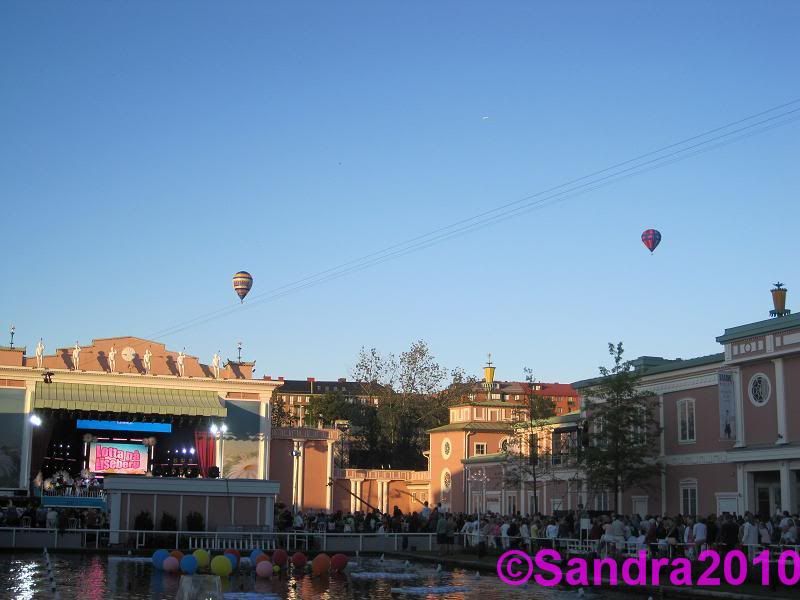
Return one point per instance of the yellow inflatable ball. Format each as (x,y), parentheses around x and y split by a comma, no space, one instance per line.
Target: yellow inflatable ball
(220,565)
(321,564)
(202,558)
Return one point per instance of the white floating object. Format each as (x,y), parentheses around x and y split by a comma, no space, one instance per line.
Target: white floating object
(424,591)
(370,575)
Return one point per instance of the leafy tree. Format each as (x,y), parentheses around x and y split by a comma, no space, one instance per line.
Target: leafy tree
(329,407)
(530,421)
(281,417)
(623,449)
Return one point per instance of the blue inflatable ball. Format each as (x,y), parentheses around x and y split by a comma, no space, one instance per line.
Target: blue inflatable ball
(233,559)
(189,564)
(159,556)
(255,554)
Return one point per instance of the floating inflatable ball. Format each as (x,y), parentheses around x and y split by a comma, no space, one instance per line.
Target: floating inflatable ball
(264,569)
(189,564)
(202,558)
(158,558)
(321,564)
(233,551)
(255,554)
(276,569)
(279,557)
(170,565)
(233,560)
(221,566)
(338,562)
(246,564)
(261,558)
(177,554)
(299,560)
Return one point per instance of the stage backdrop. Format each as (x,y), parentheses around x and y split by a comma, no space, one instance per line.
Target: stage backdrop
(12,423)
(242,440)
(111,457)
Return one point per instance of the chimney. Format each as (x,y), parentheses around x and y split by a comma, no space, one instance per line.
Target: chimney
(342,379)
(268,377)
(779,301)
(280,378)
(311,383)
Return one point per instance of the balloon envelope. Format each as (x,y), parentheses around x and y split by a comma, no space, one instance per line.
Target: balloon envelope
(158,558)
(220,565)
(202,558)
(170,564)
(189,564)
(264,569)
(651,238)
(242,282)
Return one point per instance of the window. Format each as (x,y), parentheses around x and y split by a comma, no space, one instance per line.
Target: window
(759,389)
(601,500)
(504,445)
(447,480)
(480,413)
(480,449)
(494,415)
(686,433)
(446,448)
(556,504)
(689,497)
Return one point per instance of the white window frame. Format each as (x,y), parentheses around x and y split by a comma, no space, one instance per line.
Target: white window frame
(475,449)
(685,406)
(556,504)
(446,441)
(688,485)
(494,412)
(602,500)
(750,390)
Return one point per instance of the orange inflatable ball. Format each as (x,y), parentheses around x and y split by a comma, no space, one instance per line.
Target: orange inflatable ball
(338,562)
(177,554)
(234,552)
(321,564)
(262,558)
(299,560)
(279,557)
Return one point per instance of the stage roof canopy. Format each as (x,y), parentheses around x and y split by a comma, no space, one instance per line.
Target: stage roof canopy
(124,399)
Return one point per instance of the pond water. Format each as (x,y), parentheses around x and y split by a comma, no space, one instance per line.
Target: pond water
(98,578)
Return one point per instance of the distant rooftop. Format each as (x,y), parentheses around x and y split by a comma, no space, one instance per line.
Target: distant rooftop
(760,327)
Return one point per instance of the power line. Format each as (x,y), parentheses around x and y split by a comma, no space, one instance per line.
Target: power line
(658,158)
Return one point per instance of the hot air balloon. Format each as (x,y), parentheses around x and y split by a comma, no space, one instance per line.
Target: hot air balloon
(651,238)
(242,282)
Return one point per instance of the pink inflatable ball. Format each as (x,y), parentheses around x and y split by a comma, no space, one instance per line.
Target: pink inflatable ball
(171,564)
(264,569)
(338,562)
(299,560)
(279,557)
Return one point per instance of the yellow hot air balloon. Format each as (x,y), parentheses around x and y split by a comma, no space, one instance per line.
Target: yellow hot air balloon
(242,282)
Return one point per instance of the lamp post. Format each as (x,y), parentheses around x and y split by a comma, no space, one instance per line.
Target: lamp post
(219,434)
(12,331)
(480,477)
(296,457)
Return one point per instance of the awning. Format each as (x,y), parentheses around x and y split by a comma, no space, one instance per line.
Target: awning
(123,399)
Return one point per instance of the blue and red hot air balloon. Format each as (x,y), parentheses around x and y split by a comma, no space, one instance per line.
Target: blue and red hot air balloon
(651,238)
(242,282)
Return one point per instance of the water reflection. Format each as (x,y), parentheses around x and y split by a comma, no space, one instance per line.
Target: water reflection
(97,578)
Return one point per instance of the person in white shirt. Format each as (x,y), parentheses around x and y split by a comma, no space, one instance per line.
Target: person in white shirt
(504,534)
(525,534)
(750,536)
(552,530)
(700,533)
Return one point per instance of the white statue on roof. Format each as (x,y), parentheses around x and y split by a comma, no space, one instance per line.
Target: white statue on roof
(148,361)
(76,356)
(112,359)
(181,367)
(40,353)
(215,364)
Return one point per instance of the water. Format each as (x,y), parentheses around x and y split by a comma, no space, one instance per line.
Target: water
(97,578)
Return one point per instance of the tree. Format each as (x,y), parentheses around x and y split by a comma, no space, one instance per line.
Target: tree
(411,399)
(281,417)
(530,421)
(623,449)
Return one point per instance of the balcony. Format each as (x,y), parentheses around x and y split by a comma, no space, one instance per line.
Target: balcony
(67,497)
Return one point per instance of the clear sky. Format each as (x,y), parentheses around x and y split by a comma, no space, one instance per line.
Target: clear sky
(148,150)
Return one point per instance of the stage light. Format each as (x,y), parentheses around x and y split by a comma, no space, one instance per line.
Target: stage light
(191,450)
(35,420)
(224,428)
(184,450)
(214,429)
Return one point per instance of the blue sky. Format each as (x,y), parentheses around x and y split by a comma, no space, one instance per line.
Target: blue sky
(149,150)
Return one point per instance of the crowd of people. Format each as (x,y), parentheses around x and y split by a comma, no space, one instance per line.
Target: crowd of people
(34,515)
(677,535)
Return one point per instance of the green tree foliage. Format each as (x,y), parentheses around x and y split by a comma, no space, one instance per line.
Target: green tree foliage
(281,417)
(413,393)
(623,449)
(529,421)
